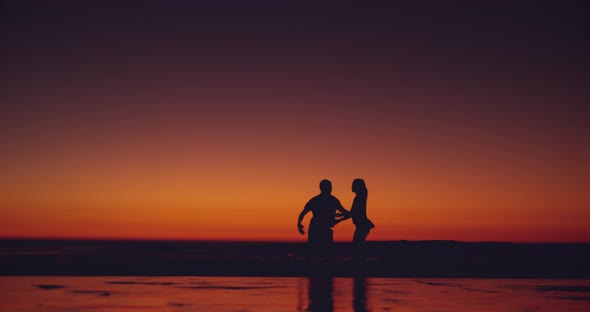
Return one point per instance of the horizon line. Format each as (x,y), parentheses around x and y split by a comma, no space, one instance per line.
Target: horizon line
(196,240)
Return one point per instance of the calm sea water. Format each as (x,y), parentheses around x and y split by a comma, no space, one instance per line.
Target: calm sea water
(20,294)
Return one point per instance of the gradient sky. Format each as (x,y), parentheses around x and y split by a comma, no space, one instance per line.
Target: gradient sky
(468,121)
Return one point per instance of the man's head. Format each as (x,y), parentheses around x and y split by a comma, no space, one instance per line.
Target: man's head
(326,186)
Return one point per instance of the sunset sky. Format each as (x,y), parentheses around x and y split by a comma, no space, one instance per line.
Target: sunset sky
(468,121)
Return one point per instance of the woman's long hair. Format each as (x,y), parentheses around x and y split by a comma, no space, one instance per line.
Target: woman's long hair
(361,188)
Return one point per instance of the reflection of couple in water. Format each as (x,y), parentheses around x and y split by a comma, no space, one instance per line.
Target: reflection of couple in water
(320,291)
(327,212)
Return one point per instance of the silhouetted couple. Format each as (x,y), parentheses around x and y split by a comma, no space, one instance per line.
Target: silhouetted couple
(328,211)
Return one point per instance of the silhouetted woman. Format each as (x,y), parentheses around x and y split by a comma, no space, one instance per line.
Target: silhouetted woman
(359,213)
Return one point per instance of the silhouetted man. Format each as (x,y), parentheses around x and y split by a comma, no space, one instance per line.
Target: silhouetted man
(323,208)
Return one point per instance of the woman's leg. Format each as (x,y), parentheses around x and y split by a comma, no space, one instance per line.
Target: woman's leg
(360,234)
(358,242)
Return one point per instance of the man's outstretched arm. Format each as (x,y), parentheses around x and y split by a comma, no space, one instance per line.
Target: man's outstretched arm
(345,213)
(342,214)
(305,210)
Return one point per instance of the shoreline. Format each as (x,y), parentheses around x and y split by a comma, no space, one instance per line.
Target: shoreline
(416,259)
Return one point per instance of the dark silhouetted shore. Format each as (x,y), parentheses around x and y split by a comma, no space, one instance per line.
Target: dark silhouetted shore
(382,259)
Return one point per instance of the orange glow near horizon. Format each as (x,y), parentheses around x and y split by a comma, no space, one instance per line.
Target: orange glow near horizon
(172,187)
(247,198)
(250,184)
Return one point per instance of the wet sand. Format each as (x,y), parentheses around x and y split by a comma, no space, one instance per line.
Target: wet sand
(432,259)
(325,294)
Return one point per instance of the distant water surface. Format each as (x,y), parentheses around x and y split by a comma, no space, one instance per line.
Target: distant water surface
(119,294)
